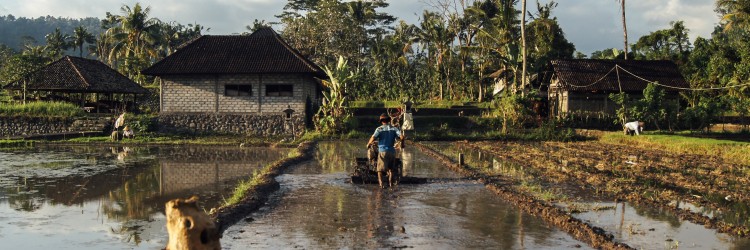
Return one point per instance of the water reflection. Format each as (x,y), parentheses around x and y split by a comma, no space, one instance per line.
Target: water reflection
(105,198)
(318,209)
(637,226)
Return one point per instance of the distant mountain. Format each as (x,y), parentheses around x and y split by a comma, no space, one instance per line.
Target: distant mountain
(14,32)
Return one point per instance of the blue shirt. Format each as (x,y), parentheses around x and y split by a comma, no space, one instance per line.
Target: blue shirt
(386,136)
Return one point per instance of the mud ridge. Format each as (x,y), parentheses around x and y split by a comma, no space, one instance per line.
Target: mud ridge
(594,236)
(609,182)
(257,195)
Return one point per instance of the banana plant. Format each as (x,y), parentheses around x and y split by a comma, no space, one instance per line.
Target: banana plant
(333,113)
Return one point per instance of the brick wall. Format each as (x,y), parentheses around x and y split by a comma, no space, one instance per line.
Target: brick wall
(205,93)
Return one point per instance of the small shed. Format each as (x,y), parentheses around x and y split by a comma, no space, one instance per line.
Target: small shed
(75,79)
(583,85)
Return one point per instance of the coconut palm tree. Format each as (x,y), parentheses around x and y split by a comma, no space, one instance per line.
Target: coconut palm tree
(102,48)
(134,33)
(80,36)
(57,42)
(436,35)
(624,27)
(523,44)
(735,13)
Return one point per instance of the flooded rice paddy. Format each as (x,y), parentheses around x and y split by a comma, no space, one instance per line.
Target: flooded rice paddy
(84,197)
(638,226)
(88,197)
(317,208)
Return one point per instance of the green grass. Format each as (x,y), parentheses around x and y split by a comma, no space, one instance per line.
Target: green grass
(259,177)
(163,139)
(737,152)
(240,191)
(16,143)
(41,109)
(419,104)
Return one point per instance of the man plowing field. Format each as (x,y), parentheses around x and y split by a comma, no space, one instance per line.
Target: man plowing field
(386,136)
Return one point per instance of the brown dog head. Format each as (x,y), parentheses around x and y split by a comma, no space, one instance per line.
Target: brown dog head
(189,227)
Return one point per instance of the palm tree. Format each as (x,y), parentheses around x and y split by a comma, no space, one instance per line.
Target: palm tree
(135,34)
(735,13)
(102,49)
(437,36)
(135,38)
(624,27)
(523,45)
(80,36)
(57,42)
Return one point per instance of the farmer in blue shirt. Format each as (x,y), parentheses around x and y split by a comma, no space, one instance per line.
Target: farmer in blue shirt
(386,136)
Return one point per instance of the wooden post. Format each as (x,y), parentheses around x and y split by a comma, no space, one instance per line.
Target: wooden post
(460,159)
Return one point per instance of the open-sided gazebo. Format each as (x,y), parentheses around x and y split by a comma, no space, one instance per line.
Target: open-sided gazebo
(75,80)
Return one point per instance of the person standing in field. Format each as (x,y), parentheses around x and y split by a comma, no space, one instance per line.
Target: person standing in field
(634,128)
(386,136)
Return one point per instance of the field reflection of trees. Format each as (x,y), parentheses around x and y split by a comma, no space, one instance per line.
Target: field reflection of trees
(130,204)
(339,156)
(371,218)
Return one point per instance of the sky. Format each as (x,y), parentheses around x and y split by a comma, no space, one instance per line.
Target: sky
(590,24)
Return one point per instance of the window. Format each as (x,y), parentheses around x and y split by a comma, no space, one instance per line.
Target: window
(238,90)
(280,90)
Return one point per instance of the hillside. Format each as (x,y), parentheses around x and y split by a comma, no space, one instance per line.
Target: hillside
(14,32)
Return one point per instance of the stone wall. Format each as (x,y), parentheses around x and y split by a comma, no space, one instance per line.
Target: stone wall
(30,126)
(205,93)
(243,124)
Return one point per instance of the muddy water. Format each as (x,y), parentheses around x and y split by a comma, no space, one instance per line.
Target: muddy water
(76,197)
(638,226)
(317,208)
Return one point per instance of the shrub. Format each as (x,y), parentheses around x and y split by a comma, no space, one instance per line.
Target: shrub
(142,123)
(41,109)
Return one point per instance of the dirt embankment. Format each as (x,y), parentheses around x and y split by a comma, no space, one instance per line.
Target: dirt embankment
(594,236)
(257,195)
(652,177)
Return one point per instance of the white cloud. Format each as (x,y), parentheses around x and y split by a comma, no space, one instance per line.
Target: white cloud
(590,24)
(596,24)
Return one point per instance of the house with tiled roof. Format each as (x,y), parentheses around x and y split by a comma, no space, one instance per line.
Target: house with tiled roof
(582,86)
(79,80)
(227,83)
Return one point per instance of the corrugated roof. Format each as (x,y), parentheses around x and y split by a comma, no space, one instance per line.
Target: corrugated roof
(78,75)
(263,51)
(583,74)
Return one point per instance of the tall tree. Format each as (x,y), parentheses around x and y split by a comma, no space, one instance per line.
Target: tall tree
(546,38)
(437,36)
(624,28)
(523,44)
(257,24)
(134,38)
(735,13)
(57,42)
(666,44)
(81,36)
(134,33)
